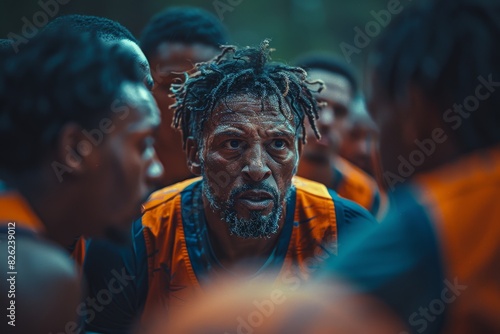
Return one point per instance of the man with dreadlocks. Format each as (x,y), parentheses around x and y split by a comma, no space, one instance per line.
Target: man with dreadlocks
(434,261)
(243,121)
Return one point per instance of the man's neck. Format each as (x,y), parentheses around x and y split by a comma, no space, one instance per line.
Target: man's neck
(53,217)
(317,171)
(243,256)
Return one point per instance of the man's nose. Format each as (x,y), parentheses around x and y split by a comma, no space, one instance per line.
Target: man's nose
(326,118)
(255,168)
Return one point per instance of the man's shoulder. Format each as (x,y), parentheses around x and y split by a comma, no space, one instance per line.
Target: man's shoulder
(356,177)
(357,185)
(310,187)
(167,194)
(309,193)
(165,203)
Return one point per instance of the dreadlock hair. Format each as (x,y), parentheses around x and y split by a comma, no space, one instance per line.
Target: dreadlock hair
(105,29)
(243,72)
(187,25)
(443,47)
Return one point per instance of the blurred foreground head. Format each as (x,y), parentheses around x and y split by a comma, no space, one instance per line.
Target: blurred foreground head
(108,31)
(434,81)
(268,308)
(76,132)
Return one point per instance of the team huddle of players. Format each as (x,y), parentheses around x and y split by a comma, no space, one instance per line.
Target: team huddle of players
(179,184)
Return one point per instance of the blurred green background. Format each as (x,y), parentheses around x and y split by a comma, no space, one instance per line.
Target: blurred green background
(295,26)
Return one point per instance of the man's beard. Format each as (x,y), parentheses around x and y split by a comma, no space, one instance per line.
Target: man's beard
(258,225)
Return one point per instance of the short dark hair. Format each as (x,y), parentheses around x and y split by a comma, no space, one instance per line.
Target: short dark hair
(244,71)
(57,78)
(442,48)
(330,64)
(188,25)
(105,29)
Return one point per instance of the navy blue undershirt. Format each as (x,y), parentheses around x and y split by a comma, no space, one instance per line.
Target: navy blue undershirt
(103,257)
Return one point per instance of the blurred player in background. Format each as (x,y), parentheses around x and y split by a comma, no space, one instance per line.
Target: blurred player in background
(320,160)
(174,41)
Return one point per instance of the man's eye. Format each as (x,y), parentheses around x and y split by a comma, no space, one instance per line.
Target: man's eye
(340,112)
(233,144)
(279,143)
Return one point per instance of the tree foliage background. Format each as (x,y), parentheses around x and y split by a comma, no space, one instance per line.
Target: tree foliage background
(295,26)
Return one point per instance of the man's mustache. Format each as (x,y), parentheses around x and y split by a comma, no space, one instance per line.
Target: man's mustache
(247,187)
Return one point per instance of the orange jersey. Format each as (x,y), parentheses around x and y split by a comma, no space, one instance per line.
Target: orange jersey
(354,184)
(462,201)
(78,251)
(170,262)
(434,260)
(15,209)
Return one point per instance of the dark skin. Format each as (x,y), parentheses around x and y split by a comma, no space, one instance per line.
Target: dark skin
(319,155)
(141,60)
(99,191)
(316,309)
(337,99)
(359,138)
(168,64)
(250,147)
(106,187)
(57,287)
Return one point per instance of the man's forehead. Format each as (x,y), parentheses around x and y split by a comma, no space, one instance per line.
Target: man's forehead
(328,77)
(243,114)
(196,52)
(335,84)
(243,107)
(136,95)
(134,49)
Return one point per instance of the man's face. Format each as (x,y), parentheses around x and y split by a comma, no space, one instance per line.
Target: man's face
(248,161)
(134,49)
(125,161)
(168,64)
(360,138)
(337,97)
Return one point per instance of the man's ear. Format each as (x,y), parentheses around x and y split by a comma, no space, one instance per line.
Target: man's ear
(73,149)
(193,156)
